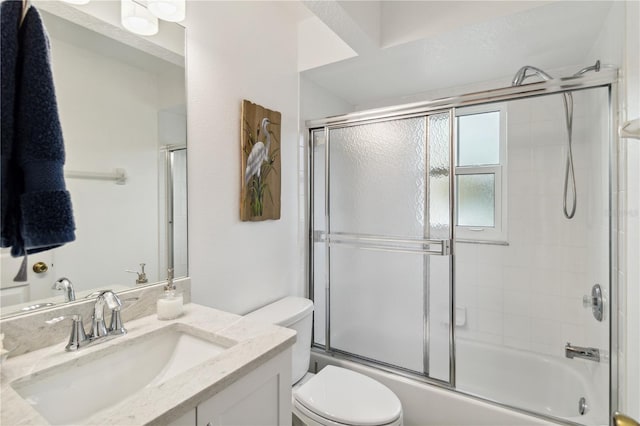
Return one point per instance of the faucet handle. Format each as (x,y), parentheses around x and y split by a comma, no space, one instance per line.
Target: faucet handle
(117,326)
(78,337)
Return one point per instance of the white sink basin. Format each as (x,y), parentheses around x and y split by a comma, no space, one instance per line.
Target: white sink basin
(69,393)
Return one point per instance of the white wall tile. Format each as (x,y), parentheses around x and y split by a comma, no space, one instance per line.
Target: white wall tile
(545,332)
(490,298)
(517,326)
(490,322)
(516,278)
(517,303)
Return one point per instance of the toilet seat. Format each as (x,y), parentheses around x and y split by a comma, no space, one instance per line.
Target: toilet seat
(337,396)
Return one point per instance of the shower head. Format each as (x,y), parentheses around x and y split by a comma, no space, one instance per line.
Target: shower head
(521,75)
(595,67)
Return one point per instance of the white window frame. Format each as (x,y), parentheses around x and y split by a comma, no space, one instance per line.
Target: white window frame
(486,234)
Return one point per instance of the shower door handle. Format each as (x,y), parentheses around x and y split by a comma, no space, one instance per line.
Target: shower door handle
(385,243)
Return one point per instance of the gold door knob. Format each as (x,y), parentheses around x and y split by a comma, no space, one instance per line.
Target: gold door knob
(622,420)
(40,267)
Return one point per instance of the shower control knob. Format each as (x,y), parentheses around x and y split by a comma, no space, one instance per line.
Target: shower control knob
(595,301)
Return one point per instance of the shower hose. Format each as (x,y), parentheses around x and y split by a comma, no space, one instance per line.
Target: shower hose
(569,173)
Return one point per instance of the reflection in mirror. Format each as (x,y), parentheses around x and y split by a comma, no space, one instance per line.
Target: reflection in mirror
(123,117)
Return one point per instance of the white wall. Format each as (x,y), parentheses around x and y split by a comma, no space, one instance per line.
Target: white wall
(317,102)
(236,51)
(318,45)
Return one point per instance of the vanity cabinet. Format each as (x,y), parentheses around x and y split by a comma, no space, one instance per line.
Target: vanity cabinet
(261,397)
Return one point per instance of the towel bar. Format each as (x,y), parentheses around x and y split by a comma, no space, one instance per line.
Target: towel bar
(119,176)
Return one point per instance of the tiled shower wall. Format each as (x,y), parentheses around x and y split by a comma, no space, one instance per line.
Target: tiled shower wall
(528,294)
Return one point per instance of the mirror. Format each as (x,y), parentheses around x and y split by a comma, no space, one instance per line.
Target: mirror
(122,106)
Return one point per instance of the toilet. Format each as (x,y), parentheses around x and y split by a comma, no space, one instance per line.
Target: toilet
(334,396)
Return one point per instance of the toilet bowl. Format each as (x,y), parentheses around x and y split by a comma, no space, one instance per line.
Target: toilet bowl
(334,396)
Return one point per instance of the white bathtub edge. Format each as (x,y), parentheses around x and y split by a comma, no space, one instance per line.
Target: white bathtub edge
(424,404)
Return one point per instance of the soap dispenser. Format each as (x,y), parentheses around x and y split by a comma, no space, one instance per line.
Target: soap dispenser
(142,276)
(170,303)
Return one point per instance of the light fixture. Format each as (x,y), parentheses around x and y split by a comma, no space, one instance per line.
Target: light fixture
(168,10)
(137,18)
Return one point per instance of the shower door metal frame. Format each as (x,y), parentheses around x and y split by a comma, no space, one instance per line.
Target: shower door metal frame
(605,78)
(368,242)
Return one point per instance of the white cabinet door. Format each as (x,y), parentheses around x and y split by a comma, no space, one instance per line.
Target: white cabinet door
(188,419)
(262,397)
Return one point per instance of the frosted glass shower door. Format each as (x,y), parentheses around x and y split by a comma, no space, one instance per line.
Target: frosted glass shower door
(388,204)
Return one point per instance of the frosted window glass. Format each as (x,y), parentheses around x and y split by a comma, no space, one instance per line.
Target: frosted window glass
(319,285)
(318,145)
(476,200)
(377,178)
(439,314)
(479,139)
(437,267)
(377,305)
(439,175)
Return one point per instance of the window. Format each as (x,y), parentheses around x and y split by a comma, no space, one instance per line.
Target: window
(481,189)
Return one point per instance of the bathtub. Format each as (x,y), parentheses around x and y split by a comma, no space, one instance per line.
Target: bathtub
(552,387)
(541,383)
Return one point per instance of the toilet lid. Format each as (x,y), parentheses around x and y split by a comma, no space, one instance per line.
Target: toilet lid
(345,396)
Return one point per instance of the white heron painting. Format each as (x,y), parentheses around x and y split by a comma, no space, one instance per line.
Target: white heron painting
(260,195)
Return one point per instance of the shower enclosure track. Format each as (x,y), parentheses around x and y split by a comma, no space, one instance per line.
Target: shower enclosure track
(605,77)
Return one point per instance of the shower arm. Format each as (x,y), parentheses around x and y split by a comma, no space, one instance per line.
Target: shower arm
(521,75)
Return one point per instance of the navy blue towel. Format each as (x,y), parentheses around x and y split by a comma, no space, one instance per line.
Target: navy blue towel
(36,207)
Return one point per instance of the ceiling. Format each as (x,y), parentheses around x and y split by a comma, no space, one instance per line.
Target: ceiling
(459,44)
(92,41)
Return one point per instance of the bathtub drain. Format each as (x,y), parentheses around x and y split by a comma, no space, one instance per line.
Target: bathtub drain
(582,406)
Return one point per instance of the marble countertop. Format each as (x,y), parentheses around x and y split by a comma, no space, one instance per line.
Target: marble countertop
(252,345)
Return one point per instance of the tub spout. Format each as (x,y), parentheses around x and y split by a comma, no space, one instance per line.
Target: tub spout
(591,354)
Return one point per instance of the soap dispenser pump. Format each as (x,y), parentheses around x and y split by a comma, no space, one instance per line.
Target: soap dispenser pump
(170,303)
(142,276)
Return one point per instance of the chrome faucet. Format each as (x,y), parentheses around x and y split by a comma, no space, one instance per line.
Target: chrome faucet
(65,285)
(99,331)
(591,354)
(98,326)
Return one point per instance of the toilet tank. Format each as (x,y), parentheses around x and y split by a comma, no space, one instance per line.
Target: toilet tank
(294,313)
